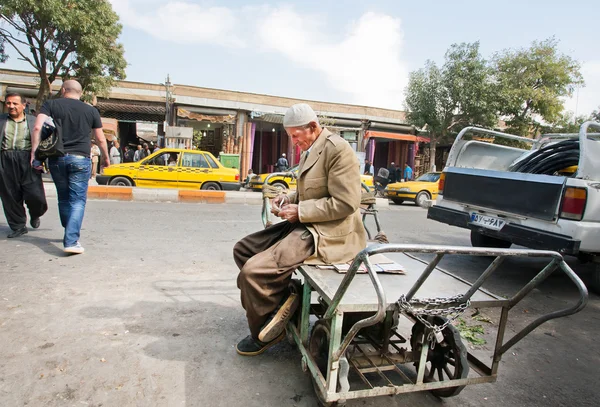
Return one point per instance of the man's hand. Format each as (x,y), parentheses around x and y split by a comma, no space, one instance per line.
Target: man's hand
(105,161)
(281,200)
(289,212)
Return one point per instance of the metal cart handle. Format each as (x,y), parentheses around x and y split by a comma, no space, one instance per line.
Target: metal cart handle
(440,251)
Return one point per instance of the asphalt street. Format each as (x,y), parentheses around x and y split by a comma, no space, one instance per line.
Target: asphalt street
(150,314)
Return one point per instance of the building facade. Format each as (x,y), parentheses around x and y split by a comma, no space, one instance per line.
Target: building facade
(246,125)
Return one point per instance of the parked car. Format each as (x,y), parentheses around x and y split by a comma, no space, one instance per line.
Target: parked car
(173,168)
(419,191)
(285,183)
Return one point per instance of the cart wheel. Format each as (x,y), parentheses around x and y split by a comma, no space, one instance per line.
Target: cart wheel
(447,360)
(318,347)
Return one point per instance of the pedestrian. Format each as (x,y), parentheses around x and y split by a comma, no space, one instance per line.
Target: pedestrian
(74,121)
(392,173)
(246,182)
(115,154)
(145,152)
(282,163)
(128,155)
(138,152)
(369,169)
(95,158)
(321,223)
(19,181)
(408,173)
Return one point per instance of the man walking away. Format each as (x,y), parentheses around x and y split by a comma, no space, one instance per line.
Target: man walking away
(282,163)
(408,173)
(74,121)
(19,182)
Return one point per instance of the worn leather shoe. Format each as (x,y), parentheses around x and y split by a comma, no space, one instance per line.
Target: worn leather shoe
(35,223)
(278,320)
(253,347)
(17,233)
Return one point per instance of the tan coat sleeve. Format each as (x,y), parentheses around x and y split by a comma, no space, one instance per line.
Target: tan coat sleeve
(343,184)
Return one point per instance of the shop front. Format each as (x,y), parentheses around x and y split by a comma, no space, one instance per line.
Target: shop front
(384,148)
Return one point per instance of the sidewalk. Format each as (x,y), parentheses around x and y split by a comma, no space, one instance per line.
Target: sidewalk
(96,191)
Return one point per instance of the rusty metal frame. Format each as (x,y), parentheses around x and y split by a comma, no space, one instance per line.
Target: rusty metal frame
(340,357)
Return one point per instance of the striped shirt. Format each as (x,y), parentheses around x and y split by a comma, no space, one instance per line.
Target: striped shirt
(16,135)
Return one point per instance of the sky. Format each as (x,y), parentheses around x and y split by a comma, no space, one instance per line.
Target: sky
(356,52)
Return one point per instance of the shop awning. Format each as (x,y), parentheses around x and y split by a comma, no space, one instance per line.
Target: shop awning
(110,128)
(396,136)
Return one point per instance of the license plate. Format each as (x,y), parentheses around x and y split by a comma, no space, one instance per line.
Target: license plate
(490,222)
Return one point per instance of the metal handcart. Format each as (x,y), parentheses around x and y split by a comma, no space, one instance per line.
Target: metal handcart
(357,347)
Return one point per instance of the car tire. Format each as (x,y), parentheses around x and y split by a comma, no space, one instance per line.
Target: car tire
(480,240)
(211,186)
(422,198)
(397,201)
(121,182)
(280,186)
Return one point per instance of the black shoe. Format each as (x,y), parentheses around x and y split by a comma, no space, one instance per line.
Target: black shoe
(278,320)
(35,223)
(17,233)
(253,347)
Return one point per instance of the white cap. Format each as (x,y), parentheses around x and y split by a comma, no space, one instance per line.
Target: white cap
(299,115)
(283,155)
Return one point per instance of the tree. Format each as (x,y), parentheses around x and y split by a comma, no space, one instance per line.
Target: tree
(66,39)
(531,84)
(595,116)
(566,122)
(459,94)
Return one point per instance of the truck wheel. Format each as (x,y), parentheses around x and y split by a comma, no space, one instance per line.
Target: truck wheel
(120,181)
(594,282)
(422,198)
(479,240)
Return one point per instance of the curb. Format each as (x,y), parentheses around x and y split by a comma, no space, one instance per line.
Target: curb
(176,195)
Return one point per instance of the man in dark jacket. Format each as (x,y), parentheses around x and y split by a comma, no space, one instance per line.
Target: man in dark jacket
(19,182)
(392,170)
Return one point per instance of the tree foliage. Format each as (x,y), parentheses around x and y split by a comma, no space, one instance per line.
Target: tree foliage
(532,83)
(445,100)
(66,39)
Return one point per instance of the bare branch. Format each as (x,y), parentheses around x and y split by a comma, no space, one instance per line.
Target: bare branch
(36,67)
(56,67)
(7,34)
(12,23)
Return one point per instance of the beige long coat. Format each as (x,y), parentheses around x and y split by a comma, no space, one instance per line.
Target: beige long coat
(328,194)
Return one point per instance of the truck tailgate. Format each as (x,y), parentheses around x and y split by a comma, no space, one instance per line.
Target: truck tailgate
(530,195)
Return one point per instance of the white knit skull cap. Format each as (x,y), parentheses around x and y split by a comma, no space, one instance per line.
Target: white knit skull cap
(299,115)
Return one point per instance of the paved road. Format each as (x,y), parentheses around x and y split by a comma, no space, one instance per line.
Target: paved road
(149,315)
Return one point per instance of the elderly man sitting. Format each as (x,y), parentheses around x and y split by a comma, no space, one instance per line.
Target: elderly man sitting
(322,224)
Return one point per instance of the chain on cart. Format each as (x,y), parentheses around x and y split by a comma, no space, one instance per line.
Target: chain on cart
(422,308)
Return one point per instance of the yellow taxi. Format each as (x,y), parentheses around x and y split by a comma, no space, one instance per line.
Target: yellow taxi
(173,168)
(418,191)
(256,183)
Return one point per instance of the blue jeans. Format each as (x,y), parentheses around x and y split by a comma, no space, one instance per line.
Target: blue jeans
(71,175)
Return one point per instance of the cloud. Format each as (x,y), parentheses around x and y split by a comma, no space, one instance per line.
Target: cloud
(364,62)
(586,99)
(180,22)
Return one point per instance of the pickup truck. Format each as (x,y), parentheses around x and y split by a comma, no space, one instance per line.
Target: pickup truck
(543,197)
